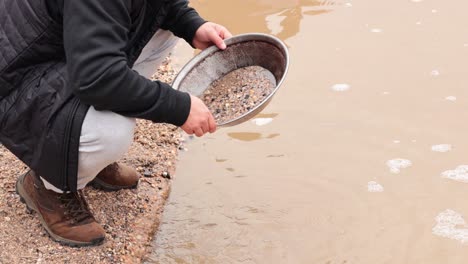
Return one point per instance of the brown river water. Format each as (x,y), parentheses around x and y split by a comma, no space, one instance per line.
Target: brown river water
(358,158)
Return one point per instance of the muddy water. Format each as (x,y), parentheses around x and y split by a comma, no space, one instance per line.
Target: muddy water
(356,160)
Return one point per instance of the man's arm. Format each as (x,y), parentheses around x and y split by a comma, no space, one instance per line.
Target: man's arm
(95,36)
(182,20)
(185,22)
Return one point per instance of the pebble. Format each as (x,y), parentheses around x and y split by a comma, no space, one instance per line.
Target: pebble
(166,175)
(148,173)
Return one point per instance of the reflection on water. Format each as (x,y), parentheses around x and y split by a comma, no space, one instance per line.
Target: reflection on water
(250,136)
(245,136)
(273,135)
(278,17)
(358,158)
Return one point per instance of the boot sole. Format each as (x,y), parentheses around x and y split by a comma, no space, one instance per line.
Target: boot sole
(31,207)
(98,184)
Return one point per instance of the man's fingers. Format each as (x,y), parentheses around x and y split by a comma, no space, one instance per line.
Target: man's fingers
(205,126)
(227,34)
(198,132)
(187,130)
(211,124)
(216,39)
(224,33)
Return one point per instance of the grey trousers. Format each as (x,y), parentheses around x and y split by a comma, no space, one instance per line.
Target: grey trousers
(106,136)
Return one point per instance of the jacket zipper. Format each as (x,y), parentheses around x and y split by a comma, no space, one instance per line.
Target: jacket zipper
(66,143)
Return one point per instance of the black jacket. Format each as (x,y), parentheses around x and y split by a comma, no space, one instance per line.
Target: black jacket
(58,57)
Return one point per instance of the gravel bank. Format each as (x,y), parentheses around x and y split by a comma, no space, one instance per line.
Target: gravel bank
(130,217)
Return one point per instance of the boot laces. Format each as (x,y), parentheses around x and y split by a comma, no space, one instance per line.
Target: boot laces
(76,206)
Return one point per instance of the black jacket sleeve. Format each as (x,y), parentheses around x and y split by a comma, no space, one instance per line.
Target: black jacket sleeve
(182,20)
(95,36)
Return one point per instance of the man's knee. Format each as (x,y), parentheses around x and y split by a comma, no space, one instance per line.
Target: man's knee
(106,135)
(105,138)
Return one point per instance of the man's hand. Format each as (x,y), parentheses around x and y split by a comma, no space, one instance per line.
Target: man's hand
(200,120)
(211,34)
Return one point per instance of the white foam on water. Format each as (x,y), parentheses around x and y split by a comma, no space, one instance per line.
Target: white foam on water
(386,93)
(376,30)
(373,186)
(434,11)
(416,1)
(396,141)
(341,87)
(458,174)
(395,165)
(450,224)
(435,73)
(262,121)
(451,98)
(442,148)
(349,4)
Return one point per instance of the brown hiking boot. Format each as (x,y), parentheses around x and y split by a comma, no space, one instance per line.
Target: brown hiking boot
(116,177)
(65,216)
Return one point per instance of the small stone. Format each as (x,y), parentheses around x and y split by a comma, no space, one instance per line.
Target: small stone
(166,175)
(148,173)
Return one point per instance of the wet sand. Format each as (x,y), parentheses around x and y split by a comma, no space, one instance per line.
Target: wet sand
(356,160)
